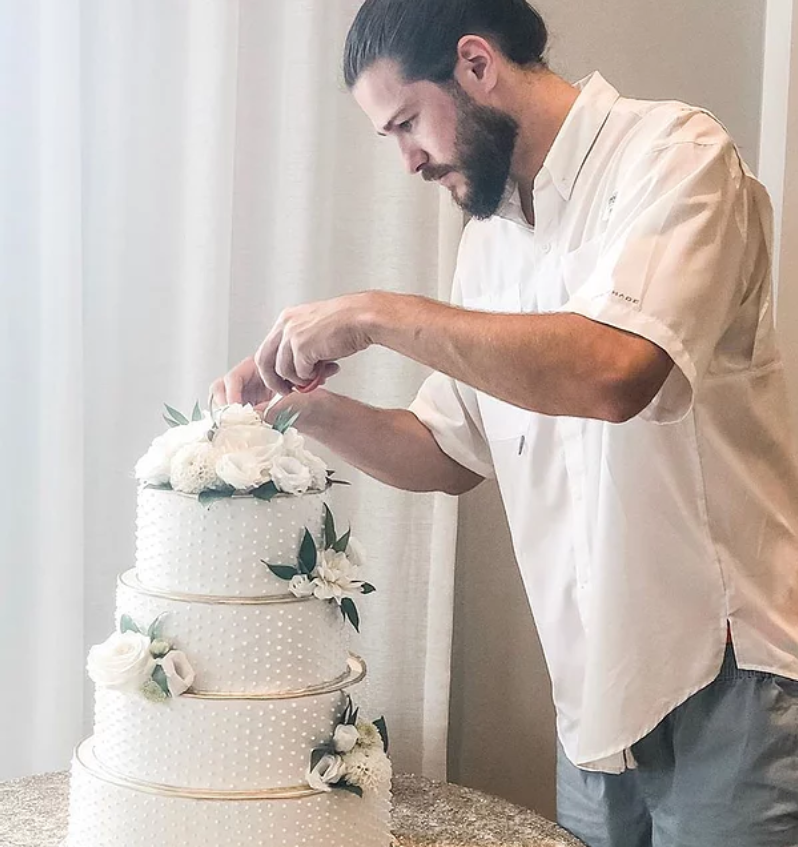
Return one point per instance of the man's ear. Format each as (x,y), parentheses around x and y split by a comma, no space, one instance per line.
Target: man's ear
(477,66)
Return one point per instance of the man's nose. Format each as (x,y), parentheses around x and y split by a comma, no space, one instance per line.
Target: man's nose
(414,157)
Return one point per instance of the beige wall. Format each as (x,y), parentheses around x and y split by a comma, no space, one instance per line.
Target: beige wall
(708,53)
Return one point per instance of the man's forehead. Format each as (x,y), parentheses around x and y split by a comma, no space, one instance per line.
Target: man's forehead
(382,92)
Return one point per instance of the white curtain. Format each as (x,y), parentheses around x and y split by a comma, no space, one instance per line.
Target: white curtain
(171,176)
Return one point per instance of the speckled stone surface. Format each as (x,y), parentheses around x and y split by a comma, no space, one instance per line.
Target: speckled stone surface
(428,813)
(33,813)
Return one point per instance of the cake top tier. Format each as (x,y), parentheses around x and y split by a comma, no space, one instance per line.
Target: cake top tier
(232,450)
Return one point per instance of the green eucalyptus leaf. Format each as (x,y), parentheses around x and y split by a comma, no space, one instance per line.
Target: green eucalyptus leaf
(266,491)
(127,624)
(159,675)
(286,572)
(331,481)
(171,423)
(154,630)
(343,542)
(329,527)
(177,416)
(350,610)
(383,731)
(308,555)
(347,710)
(207,497)
(285,420)
(352,789)
(353,719)
(160,486)
(196,415)
(367,588)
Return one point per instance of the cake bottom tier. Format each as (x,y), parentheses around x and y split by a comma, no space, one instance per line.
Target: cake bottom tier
(103,813)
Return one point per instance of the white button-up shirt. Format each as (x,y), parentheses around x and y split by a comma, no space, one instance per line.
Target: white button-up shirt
(637,542)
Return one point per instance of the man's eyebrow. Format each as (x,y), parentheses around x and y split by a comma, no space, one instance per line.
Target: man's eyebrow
(389,126)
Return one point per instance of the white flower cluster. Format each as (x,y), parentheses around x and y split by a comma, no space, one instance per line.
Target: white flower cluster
(358,758)
(236,449)
(335,575)
(127,660)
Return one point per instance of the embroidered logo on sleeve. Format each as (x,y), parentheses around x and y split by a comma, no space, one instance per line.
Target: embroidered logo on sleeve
(625,297)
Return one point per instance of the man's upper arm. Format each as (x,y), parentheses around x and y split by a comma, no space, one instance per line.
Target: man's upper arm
(671,266)
(450,412)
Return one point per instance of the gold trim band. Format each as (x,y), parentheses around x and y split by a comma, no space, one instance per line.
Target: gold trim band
(84,756)
(355,672)
(128,579)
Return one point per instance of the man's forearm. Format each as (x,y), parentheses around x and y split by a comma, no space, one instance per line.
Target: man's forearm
(391,445)
(555,364)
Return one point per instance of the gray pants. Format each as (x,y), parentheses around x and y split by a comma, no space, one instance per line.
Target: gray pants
(720,771)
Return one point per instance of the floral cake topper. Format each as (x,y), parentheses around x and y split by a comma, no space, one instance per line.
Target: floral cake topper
(232,450)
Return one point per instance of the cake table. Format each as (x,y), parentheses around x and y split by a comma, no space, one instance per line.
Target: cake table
(33,813)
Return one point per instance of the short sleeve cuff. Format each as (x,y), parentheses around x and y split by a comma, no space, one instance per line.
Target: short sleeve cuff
(674,400)
(455,437)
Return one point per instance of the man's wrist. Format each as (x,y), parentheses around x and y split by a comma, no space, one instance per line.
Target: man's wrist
(386,316)
(296,403)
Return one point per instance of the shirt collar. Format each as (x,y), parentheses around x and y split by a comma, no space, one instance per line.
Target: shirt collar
(574,140)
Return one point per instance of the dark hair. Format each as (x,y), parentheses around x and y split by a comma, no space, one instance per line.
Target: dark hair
(422,35)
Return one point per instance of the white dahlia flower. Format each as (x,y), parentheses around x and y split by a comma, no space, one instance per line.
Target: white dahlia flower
(194,469)
(367,767)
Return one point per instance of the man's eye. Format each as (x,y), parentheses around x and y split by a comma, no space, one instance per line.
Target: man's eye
(407,125)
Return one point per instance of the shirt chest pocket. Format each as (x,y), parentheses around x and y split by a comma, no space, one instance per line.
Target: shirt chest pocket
(503,421)
(578,266)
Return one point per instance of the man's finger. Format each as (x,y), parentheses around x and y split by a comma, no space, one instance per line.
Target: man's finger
(284,364)
(264,360)
(234,387)
(218,393)
(311,386)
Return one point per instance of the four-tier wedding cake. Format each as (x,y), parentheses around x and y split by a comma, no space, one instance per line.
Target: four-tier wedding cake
(223,712)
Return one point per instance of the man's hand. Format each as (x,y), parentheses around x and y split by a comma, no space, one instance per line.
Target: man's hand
(306,341)
(242,385)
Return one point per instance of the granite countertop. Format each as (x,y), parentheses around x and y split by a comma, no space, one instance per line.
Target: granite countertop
(33,813)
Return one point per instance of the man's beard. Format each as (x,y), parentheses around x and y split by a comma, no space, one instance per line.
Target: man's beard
(485,142)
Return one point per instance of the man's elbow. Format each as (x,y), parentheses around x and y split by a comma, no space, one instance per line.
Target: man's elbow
(628,397)
(460,481)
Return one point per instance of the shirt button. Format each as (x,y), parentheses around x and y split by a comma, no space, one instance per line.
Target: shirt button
(546,248)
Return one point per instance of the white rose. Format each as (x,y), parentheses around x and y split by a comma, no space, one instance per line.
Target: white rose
(122,662)
(335,577)
(242,438)
(301,586)
(237,415)
(194,468)
(318,470)
(155,465)
(294,443)
(290,475)
(245,470)
(330,769)
(345,738)
(179,673)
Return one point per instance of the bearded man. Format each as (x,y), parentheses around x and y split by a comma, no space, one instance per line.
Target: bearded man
(609,357)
